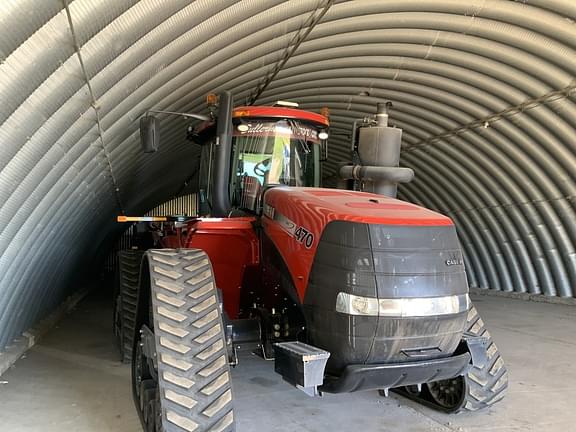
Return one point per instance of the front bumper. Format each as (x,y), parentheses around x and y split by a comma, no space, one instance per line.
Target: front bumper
(391,375)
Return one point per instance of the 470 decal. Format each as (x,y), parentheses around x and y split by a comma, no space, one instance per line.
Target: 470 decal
(300,233)
(304,236)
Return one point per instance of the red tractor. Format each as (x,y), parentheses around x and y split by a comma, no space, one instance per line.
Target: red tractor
(346,290)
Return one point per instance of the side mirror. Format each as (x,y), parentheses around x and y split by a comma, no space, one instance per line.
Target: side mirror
(149,136)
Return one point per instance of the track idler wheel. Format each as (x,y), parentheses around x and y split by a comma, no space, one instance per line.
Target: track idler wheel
(448,394)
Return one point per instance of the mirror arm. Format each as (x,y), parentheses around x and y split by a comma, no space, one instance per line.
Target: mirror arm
(189,115)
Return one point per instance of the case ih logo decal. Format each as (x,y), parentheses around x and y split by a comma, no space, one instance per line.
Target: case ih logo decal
(454,260)
(300,233)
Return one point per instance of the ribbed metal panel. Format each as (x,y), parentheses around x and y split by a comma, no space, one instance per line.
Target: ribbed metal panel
(182,205)
(70,160)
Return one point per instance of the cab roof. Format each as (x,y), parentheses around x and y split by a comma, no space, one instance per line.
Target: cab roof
(280,112)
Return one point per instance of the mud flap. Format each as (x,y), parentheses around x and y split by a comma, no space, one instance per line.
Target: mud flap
(477,347)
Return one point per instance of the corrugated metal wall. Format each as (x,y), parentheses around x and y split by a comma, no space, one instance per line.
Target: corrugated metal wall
(484,90)
(185,205)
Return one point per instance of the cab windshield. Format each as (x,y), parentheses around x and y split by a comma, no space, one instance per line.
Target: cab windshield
(268,152)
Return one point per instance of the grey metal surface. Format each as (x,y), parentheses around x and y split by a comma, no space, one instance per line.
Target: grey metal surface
(384,262)
(301,364)
(70,160)
(378,153)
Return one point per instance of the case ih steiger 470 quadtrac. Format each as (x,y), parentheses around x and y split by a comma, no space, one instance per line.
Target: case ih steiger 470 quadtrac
(346,290)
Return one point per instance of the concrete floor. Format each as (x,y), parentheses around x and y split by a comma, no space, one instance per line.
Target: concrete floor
(72,381)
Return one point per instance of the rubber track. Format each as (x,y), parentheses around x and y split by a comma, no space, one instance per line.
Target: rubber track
(193,370)
(484,386)
(129,272)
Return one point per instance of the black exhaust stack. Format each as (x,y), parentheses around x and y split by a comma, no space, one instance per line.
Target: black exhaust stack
(149,139)
(223,150)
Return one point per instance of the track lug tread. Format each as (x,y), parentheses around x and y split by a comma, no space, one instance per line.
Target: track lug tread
(178,380)
(169,286)
(181,421)
(223,400)
(168,273)
(170,314)
(216,384)
(209,334)
(202,291)
(211,350)
(487,385)
(180,399)
(224,424)
(129,274)
(205,304)
(206,319)
(196,392)
(171,300)
(176,331)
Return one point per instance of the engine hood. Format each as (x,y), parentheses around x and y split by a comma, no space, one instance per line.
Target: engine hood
(326,205)
(295,218)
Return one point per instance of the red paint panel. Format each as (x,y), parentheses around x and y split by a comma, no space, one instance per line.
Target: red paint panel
(370,205)
(328,192)
(232,245)
(279,112)
(314,208)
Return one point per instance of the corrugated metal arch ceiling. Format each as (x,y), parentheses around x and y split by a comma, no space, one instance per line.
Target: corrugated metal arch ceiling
(484,90)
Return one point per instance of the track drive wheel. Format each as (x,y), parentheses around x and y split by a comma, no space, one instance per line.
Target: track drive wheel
(480,387)
(186,355)
(125,300)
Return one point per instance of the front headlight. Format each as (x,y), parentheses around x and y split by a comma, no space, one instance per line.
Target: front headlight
(356,305)
(401,307)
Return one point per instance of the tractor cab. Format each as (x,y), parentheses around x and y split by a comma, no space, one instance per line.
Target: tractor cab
(269,146)
(274,146)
